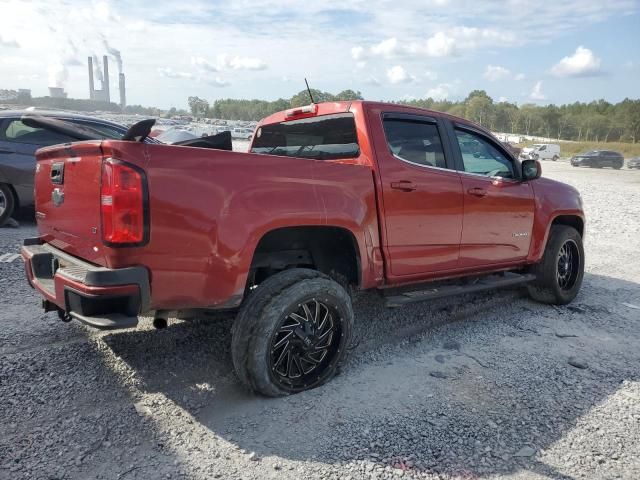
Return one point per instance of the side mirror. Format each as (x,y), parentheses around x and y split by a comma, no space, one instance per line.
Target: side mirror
(531,169)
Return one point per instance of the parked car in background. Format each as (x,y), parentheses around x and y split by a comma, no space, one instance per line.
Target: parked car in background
(242,133)
(598,159)
(541,151)
(18,144)
(515,151)
(634,163)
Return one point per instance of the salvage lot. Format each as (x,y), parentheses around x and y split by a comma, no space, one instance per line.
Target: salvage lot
(473,387)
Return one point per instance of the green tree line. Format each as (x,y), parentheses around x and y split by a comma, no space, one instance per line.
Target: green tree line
(597,121)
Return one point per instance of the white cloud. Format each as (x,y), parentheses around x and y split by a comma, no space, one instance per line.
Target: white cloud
(520,76)
(430,75)
(536,94)
(171,73)
(440,92)
(493,73)
(204,64)
(373,81)
(244,63)
(397,74)
(218,82)
(386,48)
(583,63)
(503,99)
(8,42)
(226,62)
(357,53)
(438,45)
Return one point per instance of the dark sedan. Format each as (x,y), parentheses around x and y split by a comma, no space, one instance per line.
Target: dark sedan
(598,159)
(634,163)
(18,143)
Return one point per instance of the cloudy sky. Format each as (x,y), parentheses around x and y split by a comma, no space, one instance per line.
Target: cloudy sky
(519,50)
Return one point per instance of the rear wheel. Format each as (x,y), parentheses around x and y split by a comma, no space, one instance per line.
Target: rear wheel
(618,165)
(559,275)
(7,203)
(292,333)
(555,158)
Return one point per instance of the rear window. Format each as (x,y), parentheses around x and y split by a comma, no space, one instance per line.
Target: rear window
(326,137)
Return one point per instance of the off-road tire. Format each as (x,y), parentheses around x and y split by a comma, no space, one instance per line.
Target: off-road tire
(260,317)
(546,288)
(10,203)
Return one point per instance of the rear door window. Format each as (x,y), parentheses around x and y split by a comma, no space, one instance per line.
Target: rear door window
(327,137)
(416,142)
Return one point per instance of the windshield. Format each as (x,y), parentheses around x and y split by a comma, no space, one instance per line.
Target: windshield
(326,137)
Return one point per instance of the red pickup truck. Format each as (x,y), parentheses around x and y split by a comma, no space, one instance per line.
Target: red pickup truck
(331,198)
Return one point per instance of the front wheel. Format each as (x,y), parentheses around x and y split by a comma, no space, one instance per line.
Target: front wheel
(292,333)
(559,275)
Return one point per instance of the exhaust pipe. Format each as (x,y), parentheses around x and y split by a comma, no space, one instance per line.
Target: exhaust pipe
(64,316)
(159,323)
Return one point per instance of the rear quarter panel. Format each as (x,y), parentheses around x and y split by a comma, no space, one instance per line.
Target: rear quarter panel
(209,209)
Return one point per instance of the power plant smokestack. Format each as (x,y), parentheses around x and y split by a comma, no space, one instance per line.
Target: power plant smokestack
(123,95)
(105,84)
(91,86)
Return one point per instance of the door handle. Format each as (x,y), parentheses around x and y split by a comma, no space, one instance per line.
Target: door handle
(477,192)
(6,150)
(404,185)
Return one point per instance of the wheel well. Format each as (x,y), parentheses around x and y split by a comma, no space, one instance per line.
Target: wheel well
(330,250)
(570,220)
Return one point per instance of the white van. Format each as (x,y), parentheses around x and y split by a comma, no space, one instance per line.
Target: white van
(541,151)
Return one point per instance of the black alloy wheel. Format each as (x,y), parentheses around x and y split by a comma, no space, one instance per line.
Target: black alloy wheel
(305,345)
(568,265)
(292,333)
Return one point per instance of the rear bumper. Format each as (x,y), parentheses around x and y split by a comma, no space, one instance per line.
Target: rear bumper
(101,297)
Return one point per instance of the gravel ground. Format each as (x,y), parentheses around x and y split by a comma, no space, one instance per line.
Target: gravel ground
(483,386)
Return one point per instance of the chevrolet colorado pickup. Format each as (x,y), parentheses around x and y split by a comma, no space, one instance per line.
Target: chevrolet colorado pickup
(331,198)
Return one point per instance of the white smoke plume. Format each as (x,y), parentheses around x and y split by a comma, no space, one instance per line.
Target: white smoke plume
(58,74)
(115,53)
(97,68)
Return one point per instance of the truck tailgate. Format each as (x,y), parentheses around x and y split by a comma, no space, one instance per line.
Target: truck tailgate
(67,198)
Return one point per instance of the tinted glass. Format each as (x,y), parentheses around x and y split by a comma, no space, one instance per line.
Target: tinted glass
(326,137)
(18,132)
(415,142)
(107,131)
(481,157)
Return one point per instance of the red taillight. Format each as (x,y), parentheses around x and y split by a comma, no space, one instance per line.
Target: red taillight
(122,204)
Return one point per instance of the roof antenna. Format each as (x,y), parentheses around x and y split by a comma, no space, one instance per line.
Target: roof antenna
(309,90)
